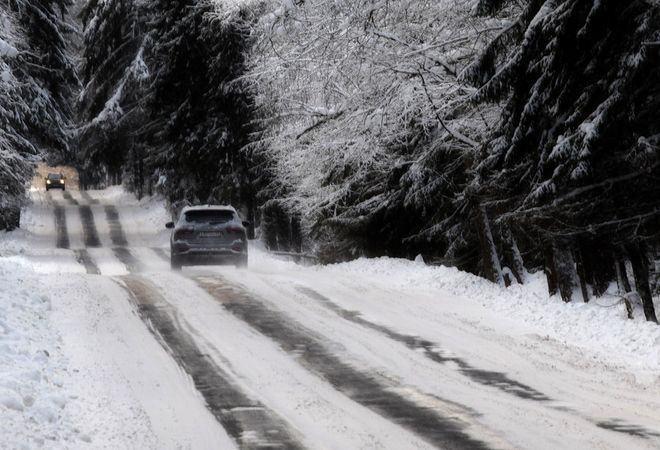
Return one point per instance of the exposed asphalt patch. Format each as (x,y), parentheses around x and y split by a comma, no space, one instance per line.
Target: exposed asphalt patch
(90,235)
(88,198)
(67,196)
(361,387)
(432,351)
(130,261)
(83,257)
(248,422)
(61,228)
(489,378)
(162,254)
(116,231)
(622,427)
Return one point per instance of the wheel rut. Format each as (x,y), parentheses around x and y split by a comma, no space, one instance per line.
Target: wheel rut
(248,422)
(88,198)
(90,234)
(84,258)
(117,234)
(61,227)
(69,198)
(118,238)
(433,352)
(495,379)
(311,351)
(162,254)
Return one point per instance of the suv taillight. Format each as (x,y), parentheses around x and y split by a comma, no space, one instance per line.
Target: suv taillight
(234,230)
(183,233)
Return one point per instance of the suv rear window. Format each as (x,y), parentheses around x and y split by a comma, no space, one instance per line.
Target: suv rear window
(207,216)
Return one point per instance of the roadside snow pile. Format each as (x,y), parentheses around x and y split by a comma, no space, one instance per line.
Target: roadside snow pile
(12,243)
(594,326)
(32,398)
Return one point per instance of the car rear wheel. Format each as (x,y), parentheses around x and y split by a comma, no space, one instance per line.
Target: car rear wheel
(175,262)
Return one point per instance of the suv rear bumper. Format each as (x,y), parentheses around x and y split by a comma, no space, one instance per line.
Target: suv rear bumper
(207,255)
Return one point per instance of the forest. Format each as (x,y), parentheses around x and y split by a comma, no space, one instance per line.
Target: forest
(500,137)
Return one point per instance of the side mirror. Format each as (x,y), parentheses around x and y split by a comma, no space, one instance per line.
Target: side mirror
(169,225)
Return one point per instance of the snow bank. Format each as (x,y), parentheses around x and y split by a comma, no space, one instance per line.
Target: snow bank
(596,327)
(33,398)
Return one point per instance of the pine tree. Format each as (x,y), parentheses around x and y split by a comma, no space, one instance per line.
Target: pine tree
(49,73)
(113,72)
(197,112)
(576,154)
(36,81)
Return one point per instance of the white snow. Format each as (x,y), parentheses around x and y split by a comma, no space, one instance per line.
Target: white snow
(596,327)
(7,49)
(79,368)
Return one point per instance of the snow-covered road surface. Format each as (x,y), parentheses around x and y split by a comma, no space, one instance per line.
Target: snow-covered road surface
(280,355)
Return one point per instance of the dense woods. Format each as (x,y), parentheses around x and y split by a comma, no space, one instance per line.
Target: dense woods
(499,137)
(37,83)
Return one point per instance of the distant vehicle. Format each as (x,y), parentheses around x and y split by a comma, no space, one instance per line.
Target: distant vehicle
(208,234)
(55,181)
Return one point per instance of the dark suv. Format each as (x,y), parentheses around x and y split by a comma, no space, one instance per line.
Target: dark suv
(208,235)
(55,180)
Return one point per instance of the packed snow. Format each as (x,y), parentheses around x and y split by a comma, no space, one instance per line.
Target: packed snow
(78,368)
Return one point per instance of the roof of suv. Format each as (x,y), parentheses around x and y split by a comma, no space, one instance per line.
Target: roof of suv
(208,207)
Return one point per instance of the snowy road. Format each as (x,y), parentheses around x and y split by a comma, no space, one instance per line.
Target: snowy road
(285,356)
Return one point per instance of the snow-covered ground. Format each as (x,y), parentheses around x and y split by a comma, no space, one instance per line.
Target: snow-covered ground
(105,347)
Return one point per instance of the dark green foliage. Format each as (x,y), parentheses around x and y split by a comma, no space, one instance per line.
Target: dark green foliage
(162,104)
(36,84)
(198,115)
(112,71)
(576,157)
(48,70)
(579,126)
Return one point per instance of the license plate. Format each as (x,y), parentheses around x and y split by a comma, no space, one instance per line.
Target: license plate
(210,234)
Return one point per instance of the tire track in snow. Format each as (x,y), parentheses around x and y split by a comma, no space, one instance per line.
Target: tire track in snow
(90,235)
(118,238)
(117,234)
(67,196)
(133,265)
(61,227)
(84,258)
(359,386)
(88,198)
(248,422)
(494,379)
(162,254)
(433,351)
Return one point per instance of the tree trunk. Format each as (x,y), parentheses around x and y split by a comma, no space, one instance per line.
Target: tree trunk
(549,269)
(640,265)
(269,226)
(491,262)
(512,255)
(565,267)
(622,276)
(600,264)
(579,264)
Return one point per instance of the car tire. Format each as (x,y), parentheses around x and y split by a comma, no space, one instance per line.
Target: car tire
(242,262)
(175,262)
